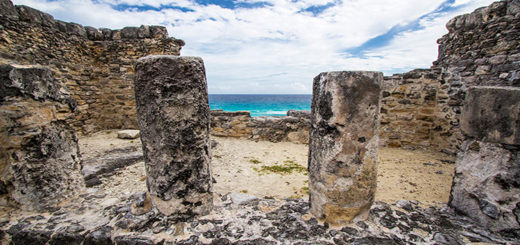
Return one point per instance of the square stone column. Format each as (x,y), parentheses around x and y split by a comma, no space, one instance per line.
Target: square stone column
(344,144)
(173,116)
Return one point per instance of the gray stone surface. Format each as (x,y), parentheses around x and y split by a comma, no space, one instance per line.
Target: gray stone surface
(39,155)
(492,114)
(486,186)
(173,116)
(35,82)
(299,113)
(109,164)
(258,222)
(343,144)
(239,198)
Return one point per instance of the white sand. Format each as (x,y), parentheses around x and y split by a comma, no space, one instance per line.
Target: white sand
(237,168)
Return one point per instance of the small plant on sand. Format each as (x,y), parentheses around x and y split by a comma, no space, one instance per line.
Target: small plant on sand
(243,191)
(295,196)
(305,190)
(290,161)
(287,168)
(254,161)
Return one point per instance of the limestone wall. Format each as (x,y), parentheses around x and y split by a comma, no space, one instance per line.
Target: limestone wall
(415,111)
(481,49)
(96,65)
(293,128)
(480,61)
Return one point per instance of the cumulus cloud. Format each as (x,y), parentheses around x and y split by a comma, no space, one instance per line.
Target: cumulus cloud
(278,46)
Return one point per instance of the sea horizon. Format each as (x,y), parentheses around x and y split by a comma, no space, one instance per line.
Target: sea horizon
(260,104)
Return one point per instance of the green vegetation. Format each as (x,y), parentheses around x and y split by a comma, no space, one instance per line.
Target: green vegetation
(254,161)
(296,196)
(287,168)
(243,191)
(305,189)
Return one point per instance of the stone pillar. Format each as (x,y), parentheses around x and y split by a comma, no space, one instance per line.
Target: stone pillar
(344,144)
(173,116)
(486,186)
(39,154)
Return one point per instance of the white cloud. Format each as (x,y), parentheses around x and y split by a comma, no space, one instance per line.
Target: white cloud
(278,49)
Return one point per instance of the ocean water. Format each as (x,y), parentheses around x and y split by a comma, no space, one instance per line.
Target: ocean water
(261,104)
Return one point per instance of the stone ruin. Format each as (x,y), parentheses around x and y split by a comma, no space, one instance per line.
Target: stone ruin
(39,155)
(467,103)
(173,113)
(344,144)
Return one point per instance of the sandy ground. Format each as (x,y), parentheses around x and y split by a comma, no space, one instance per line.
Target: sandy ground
(98,143)
(242,166)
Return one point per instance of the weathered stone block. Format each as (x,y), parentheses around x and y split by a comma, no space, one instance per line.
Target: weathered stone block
(486,186)
(173,116)
(158,32)
(128,134)
(492,114)
(343,144)
(129,32)
(39,159)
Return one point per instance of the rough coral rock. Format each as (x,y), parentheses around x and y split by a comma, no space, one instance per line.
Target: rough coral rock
(486,186)
(39,155)
(173,116)
(344,142)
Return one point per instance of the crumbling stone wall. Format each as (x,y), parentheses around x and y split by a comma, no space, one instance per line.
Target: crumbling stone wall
(39,155)
(293,128)
(96,65)
(480,61)
(481,49)
(415,112)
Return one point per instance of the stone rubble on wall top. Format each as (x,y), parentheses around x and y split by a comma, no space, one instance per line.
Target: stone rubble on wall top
(36,17)
(484,14)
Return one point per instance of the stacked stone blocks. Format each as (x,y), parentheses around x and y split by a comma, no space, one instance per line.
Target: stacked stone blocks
(95,64)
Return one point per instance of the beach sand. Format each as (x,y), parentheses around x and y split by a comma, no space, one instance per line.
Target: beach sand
(278,170)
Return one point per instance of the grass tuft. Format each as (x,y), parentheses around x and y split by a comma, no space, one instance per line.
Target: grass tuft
(287,168)
(254,161)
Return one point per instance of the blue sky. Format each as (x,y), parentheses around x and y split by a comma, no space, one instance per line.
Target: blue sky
(279,46)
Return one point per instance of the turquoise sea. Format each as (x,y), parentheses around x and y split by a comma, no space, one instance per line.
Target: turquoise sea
(261,104)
